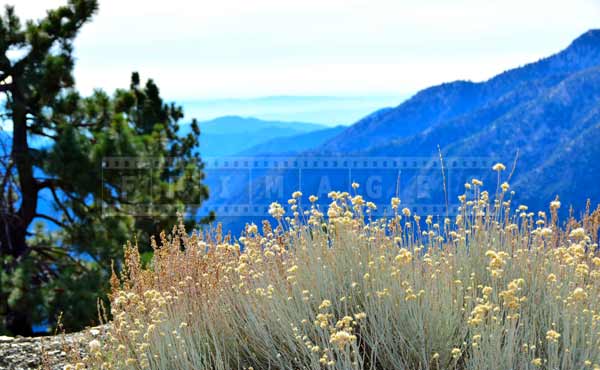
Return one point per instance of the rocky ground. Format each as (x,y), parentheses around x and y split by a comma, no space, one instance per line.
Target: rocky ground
(46,353)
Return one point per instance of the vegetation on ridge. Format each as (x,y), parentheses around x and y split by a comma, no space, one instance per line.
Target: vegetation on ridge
(497,287)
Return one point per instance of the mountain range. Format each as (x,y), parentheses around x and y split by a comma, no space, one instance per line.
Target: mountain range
(230,135)
(548,112)
(288,145)
(543,117)
(438,104)
(322,109)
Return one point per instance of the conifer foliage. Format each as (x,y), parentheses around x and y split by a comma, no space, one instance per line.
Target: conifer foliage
(56,243)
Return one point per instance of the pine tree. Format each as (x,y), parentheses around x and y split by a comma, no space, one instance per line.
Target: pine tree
(55,147)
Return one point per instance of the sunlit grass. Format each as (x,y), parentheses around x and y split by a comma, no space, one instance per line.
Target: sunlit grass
(496,287)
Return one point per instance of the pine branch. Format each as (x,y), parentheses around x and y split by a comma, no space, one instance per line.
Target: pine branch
(51,219)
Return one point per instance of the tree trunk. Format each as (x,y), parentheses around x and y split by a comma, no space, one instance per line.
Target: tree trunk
(13,236)
(23,162)
(13,243)
(19,323)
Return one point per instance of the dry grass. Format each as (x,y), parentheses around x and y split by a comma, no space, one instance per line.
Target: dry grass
(493,288)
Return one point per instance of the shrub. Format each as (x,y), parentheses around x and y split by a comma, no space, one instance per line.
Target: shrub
(492,288)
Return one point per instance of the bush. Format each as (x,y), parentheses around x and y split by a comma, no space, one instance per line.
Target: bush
(492,288)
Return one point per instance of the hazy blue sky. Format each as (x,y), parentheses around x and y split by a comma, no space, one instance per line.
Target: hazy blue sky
(249,48)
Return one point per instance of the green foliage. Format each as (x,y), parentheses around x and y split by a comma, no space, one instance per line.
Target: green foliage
(45,273)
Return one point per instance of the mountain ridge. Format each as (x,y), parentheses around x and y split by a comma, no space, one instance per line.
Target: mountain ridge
(230,135)
(543,116)
(452,99)
(235,124)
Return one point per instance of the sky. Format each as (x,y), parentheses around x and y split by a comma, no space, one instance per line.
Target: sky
(207,49)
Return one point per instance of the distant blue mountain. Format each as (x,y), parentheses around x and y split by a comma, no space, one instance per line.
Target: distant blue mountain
(547,111)
(230,135)
(295,144)
(444,102)
(248,125)
(329,110)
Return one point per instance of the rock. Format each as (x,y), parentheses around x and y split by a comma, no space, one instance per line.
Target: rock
(47,353)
